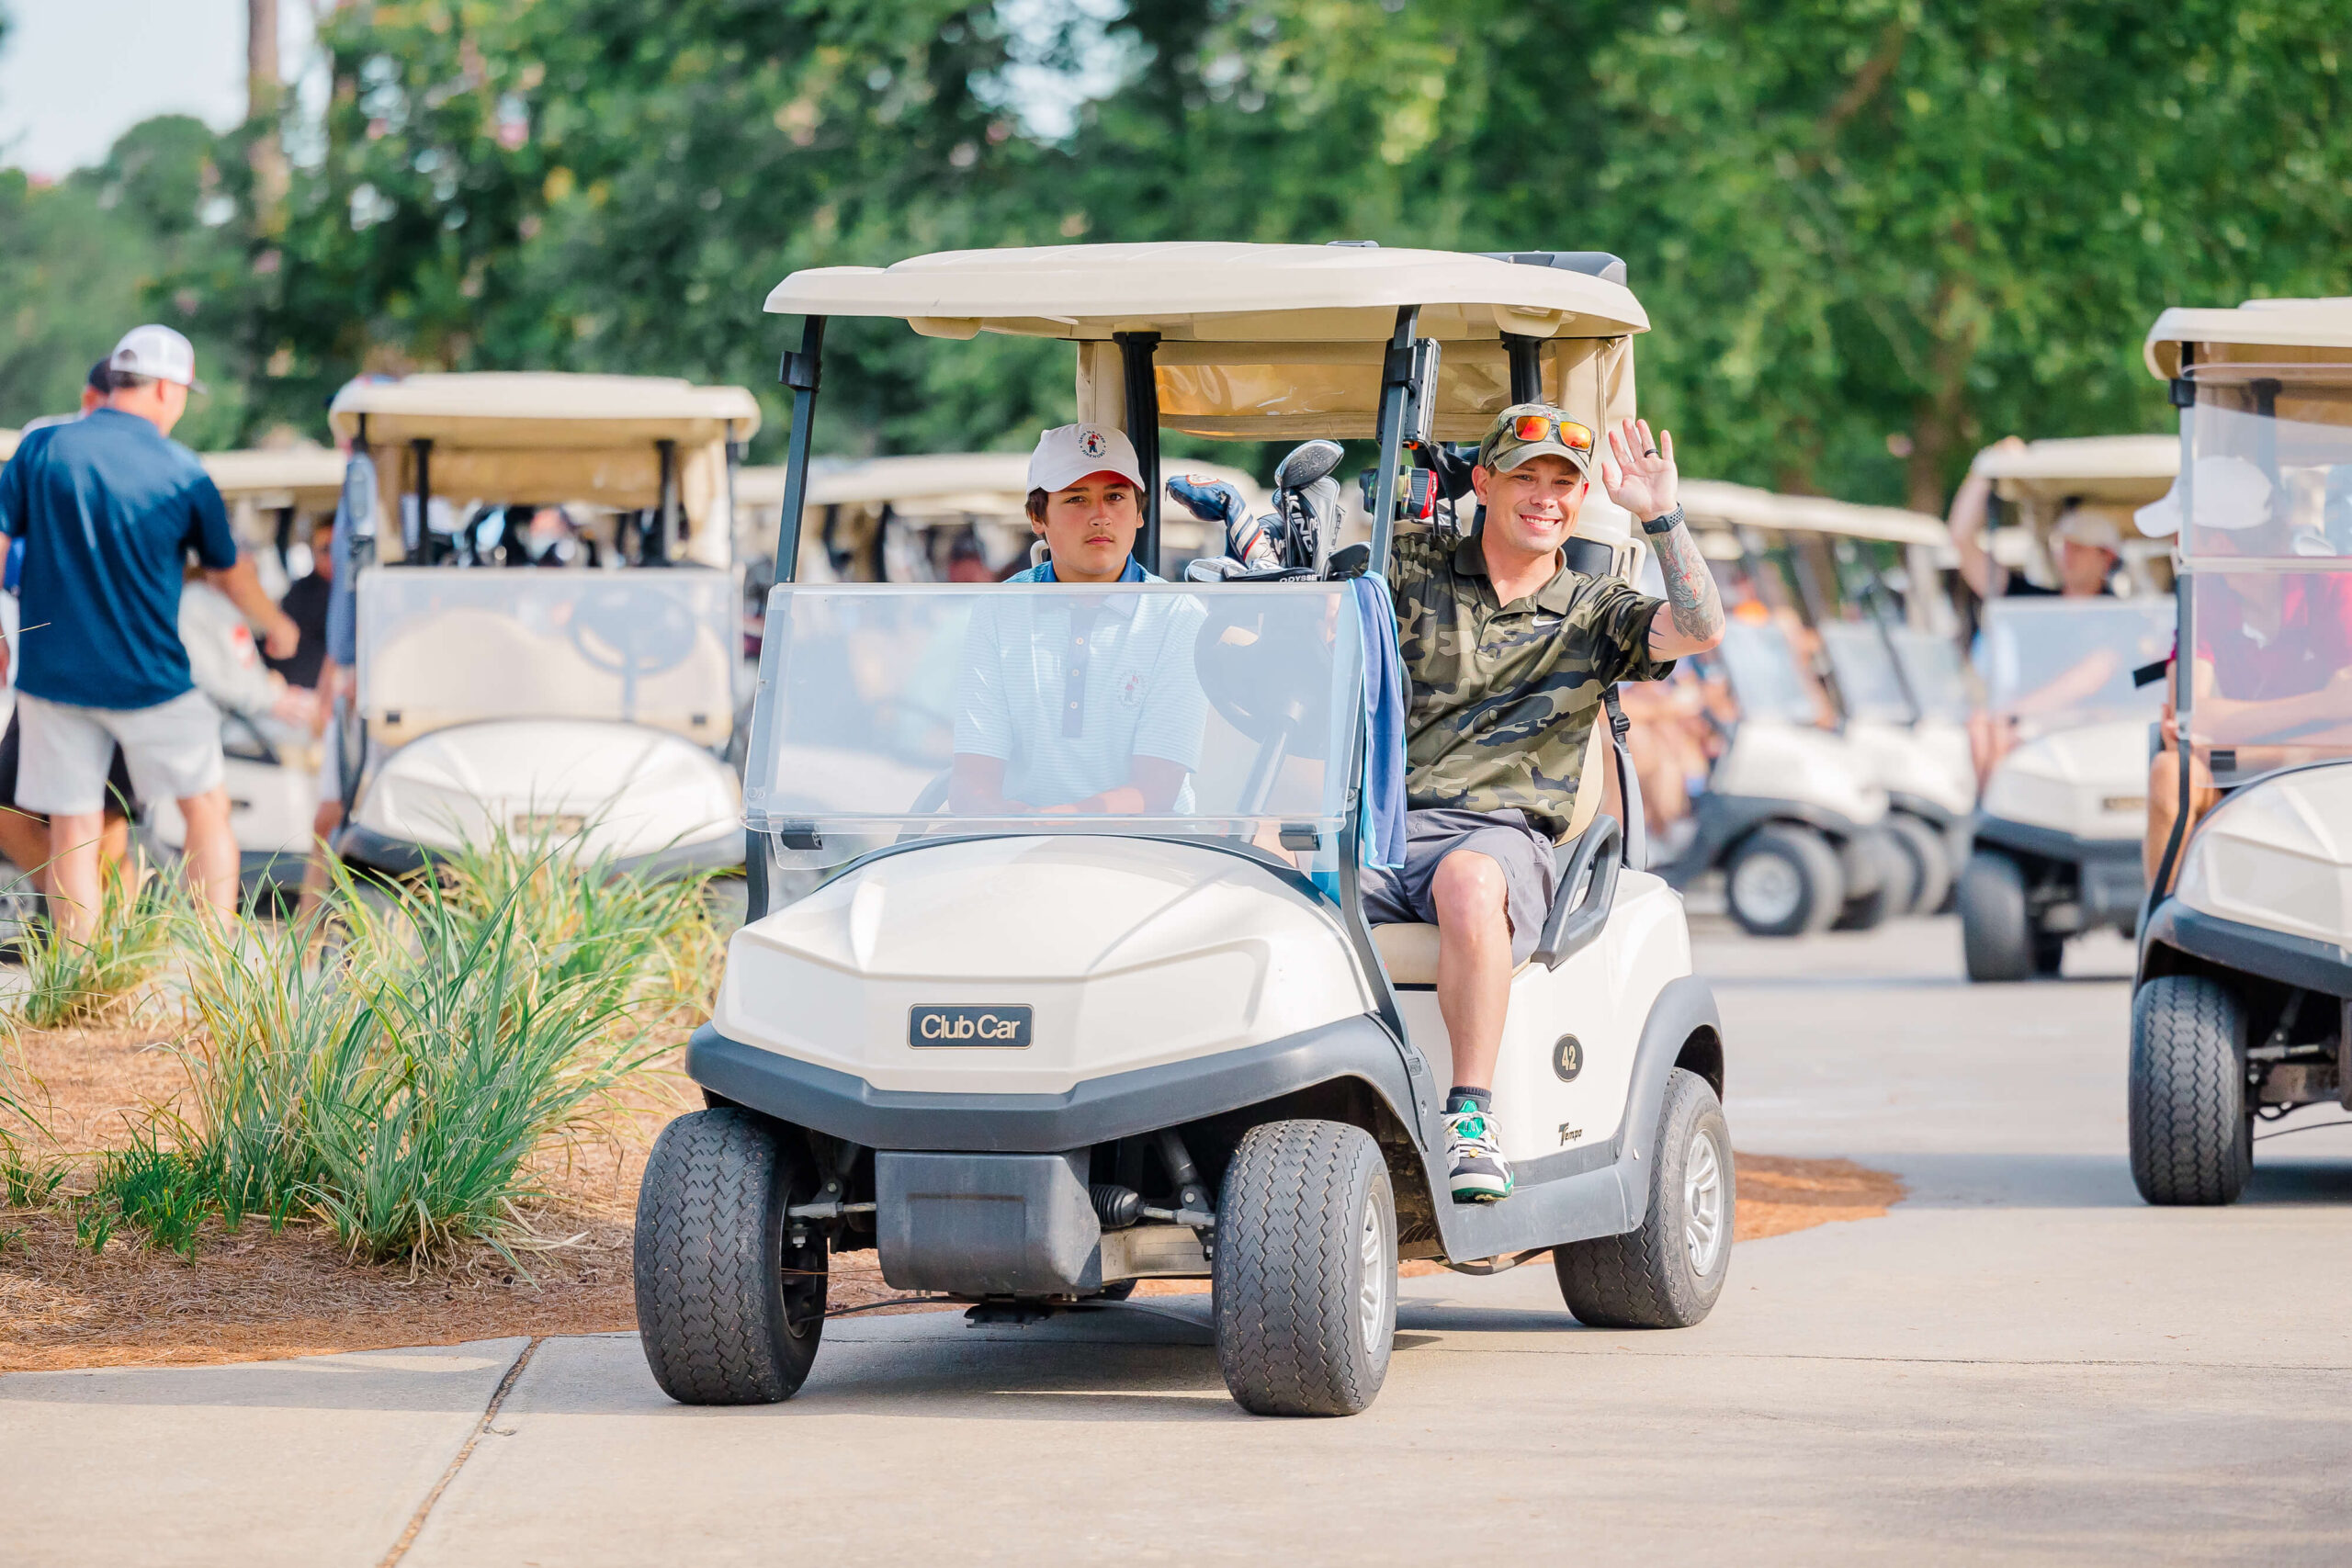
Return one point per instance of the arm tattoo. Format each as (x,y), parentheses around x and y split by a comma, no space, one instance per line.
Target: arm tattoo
(1690,586)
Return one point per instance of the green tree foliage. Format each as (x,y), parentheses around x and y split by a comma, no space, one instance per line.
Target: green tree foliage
(1872,234)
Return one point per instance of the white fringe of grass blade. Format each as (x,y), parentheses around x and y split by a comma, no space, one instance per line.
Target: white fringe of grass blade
(71,982)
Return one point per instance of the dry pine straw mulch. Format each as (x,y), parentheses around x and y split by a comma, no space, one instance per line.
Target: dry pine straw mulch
(252,1295)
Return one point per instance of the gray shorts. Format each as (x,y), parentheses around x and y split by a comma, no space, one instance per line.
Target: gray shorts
(1402,897)
(173,750)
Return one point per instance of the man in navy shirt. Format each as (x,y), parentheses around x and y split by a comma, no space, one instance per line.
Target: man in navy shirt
(108,507)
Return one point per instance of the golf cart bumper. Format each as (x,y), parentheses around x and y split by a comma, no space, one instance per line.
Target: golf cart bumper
(365,849)
(1096,1111)
(2110,881)
(2300,961)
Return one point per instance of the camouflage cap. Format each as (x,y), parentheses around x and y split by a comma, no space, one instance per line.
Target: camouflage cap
(1503,450)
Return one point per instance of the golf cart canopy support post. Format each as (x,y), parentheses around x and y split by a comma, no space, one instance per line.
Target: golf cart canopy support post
(416,537)
(800,373)
(1395,380)
(1142,387)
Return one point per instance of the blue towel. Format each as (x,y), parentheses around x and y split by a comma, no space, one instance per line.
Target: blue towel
(1384,712)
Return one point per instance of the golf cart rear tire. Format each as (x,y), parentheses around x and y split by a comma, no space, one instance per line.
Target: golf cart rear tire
(1820,885)
(2192,1136)
(1995,931)
(1650,1278)
(1304,1280)
(1930,862)
(721,1320)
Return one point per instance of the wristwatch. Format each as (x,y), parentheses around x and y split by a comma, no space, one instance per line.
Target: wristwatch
(1666,524)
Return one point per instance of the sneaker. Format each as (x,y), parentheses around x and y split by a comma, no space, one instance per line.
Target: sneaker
(1478,1172)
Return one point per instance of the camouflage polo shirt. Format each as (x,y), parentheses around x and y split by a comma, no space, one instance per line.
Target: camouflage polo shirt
(1504,696)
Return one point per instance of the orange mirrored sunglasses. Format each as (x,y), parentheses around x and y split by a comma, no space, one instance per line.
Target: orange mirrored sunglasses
(1543,427)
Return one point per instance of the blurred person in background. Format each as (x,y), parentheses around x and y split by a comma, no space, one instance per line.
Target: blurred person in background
(107,506)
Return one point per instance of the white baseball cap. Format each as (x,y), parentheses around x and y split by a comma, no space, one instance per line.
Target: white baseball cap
(2231,495)
(2090,528)
(1067,453)
(157,352)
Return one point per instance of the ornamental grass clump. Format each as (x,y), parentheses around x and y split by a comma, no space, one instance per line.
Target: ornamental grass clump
(69,983)
(391,1065)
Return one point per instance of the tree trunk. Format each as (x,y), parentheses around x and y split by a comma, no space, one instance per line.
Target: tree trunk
(264,90)
(1943,422)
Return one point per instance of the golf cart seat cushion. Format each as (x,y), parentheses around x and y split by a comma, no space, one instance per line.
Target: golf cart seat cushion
(1410,953)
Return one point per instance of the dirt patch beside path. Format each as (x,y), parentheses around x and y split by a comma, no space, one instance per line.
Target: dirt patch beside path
(255,1296)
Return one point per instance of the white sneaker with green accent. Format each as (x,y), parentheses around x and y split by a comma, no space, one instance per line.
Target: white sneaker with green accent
(1477,1172)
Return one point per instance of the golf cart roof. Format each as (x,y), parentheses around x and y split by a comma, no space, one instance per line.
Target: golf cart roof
(2113,470)
(309,479)
(499,409)
(1713,502)
(2260,332)
(1266,341)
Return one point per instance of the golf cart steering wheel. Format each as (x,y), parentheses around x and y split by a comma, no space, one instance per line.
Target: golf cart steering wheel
(618,632)
(1245,659)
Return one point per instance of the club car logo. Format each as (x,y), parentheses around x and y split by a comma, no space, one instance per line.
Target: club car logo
(1002,1027)
(1093,442)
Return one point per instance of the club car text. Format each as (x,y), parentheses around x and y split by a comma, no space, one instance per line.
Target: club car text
(1004,1027)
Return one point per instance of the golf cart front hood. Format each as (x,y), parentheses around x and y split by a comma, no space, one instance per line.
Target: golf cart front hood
(1929,760)
(1773,759)
(1126,951)
(2091,782)
(616,790)
(2278,854)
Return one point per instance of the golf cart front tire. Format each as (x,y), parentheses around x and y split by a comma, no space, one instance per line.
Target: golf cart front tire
(1784,880)
(729,1312)
(1930,865)
(1667,1273)
(2192,1132)
(1304,1279)
(1997,935)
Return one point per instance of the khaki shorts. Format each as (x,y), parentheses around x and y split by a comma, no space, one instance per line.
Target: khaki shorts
(173,750)
(1402,897)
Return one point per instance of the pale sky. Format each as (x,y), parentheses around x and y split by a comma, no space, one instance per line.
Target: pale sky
(74,75)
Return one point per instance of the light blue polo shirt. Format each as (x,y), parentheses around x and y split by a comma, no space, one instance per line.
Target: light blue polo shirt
(1067,689)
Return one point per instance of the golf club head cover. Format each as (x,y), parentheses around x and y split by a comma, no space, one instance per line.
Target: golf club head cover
(1213,501)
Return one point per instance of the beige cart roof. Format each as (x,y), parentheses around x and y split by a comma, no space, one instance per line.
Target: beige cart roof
(309,479)
(1711,500)
(2260,332)
(2111,470)
(494,409)
(1262,341)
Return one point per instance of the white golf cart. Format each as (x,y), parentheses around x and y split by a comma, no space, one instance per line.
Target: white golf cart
(574,685)
(2058,830)
(2244,1008)
(1032,1058)
(1879,787)
(277,501)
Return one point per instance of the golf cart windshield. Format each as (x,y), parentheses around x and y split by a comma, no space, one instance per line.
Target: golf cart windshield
(2060,663)
(1932,669)
(1222,711)
(1867,677)
(2271,469)
(446,645)
(2274,667)
(1765,677)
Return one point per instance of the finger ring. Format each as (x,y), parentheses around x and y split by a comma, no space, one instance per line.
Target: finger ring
(1651,453)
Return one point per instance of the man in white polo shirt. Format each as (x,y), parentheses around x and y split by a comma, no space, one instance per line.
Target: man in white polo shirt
(1089,703)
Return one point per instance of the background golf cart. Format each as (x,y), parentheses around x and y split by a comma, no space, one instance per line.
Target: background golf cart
(277,500)
(2244,1008)
(588,704)
(1214,1025)
(2057,837)
(1864,754)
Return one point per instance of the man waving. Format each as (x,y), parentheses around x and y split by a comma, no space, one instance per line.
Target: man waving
(1510,651)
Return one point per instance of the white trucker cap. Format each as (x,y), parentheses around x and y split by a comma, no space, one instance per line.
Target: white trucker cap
(1067,453)
(157,352)
(2231,495)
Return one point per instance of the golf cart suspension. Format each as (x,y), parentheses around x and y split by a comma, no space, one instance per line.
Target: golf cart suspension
(1119,1206)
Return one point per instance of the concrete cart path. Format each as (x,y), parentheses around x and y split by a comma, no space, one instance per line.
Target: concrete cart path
(2020,1363)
